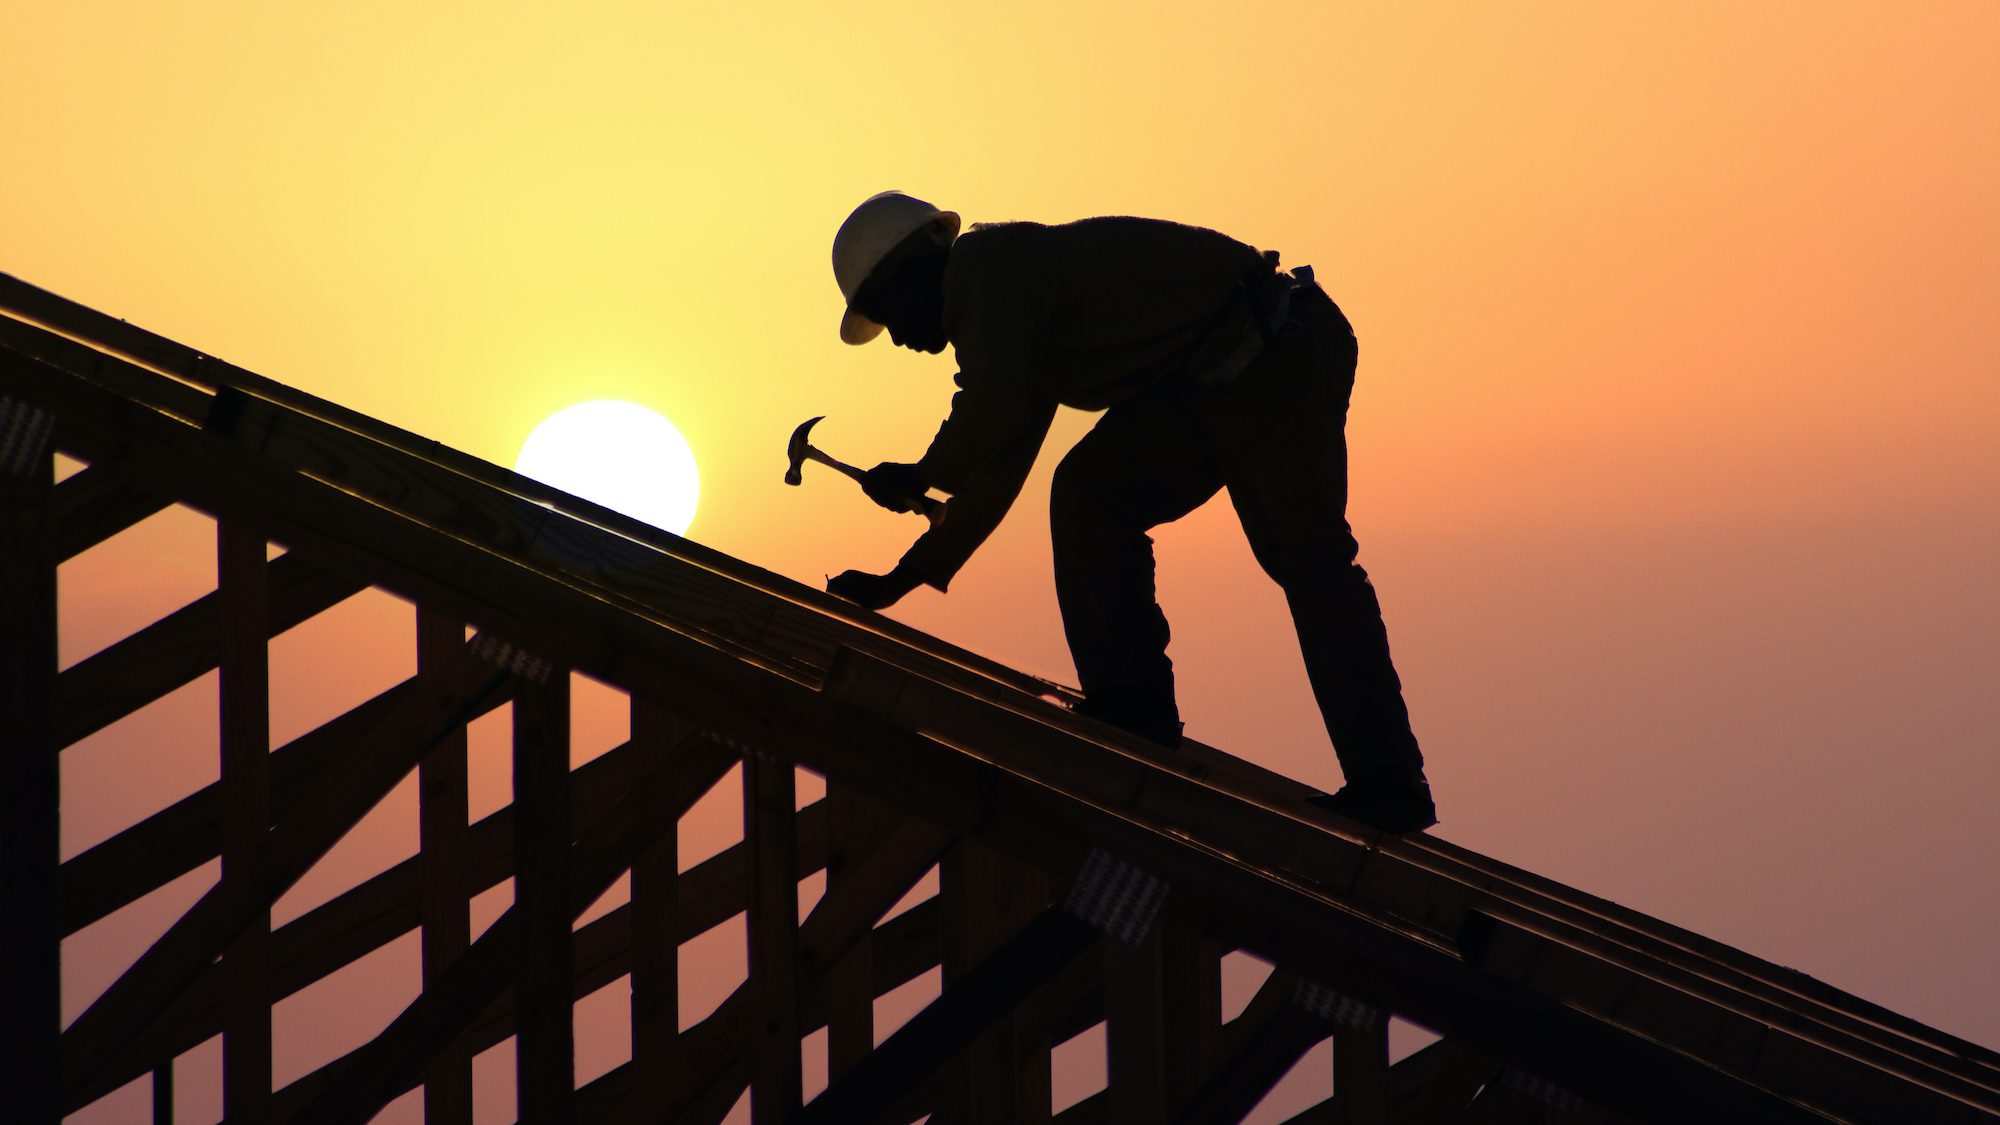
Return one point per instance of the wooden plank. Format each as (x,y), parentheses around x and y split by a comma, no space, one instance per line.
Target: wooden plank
(655,903)
(1135,1057)
(602,948)
(1191,1002)
(700,599)
(1432,1086)
(1441,993)
(94,1041)
(119,871)
(173,651)
(445,895)
(855,823)
(909,949)
(191,365)
(796,607)
(768,796)
(1454,1074)
(30,847)
(966,1086)
(1257,1059)
(545,1048)
(984,994)
(1361,1073)
(905,946)
(360,1084)
(163,1093)
(1002,1077)
(97,503)
(242,585)
(1027,1069)
(367,917)
(1658,942)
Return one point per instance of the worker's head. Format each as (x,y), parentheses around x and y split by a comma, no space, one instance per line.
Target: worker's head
(889,260)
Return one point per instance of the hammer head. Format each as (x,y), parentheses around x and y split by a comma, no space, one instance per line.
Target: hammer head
(795,450)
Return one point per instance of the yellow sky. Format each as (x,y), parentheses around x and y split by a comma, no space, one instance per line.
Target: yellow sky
(1673,441)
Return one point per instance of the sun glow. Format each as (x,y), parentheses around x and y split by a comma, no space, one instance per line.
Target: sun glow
(621,455)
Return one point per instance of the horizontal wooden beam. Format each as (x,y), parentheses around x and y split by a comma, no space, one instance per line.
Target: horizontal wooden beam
(180,647)
(174,841)
(443,700)
(97,503)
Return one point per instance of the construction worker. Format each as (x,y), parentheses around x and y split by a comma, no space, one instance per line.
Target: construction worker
(1213,369)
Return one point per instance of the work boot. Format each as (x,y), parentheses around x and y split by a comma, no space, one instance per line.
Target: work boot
(1146,709)
(1396,805)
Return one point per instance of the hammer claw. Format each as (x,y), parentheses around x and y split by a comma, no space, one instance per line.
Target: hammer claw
(798,451)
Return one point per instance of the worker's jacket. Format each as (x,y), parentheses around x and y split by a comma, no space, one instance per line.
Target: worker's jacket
(1084,315)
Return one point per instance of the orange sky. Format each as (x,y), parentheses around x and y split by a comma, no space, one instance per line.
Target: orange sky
(1672,443)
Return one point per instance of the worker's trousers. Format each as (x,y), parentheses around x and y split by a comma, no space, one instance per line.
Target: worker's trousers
(1275,437)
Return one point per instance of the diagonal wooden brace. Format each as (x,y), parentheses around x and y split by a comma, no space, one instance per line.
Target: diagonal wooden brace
(438,703)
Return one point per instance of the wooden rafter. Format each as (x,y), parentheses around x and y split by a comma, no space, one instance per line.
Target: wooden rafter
(1553,1005)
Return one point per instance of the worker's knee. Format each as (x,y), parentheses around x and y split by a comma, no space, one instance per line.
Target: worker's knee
(1311,561)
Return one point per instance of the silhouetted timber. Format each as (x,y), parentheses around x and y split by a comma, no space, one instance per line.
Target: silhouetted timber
(1085,876)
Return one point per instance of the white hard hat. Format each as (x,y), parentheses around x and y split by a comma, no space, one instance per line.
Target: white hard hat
(876,227)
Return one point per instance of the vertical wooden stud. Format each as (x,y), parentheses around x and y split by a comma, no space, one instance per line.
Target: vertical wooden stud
(1028,890)
(655,901)
(545,1057)
(163,1093)
(442,810)
(1192,978)
(1361,1072)
(244,691)
(30,839)
(854,828)
(1000,1078)
(1135,1041)
(769,830)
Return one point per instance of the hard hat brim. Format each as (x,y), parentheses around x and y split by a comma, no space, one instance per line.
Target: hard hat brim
(857,329)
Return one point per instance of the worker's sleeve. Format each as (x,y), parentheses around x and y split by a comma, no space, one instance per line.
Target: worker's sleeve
(979,503)
(996,314)
(988,416)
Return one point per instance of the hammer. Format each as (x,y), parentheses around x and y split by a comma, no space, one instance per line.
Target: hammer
(798,451)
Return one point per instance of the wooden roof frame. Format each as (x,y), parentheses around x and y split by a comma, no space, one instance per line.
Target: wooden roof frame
(1544,995)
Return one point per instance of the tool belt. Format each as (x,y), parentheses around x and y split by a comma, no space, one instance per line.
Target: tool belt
(1258,310)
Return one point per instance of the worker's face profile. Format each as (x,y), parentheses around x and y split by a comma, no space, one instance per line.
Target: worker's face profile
(917,340)
(908,302)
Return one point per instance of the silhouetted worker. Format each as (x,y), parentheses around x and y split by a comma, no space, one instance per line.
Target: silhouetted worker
(1213,369)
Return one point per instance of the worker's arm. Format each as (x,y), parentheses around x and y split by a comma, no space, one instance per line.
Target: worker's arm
(978,505)
(996,315)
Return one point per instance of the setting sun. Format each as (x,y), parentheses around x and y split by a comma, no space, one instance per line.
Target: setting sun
(619,454)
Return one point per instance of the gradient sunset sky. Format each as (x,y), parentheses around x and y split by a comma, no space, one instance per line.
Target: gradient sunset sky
(1673,442)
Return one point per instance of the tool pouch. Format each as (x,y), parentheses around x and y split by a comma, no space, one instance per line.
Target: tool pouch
(1259,309)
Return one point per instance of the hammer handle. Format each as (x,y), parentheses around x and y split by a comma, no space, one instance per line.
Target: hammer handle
(932,510)
(813,454)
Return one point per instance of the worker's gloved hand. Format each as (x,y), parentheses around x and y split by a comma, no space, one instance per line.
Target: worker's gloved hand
(894,485)
(873,591)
